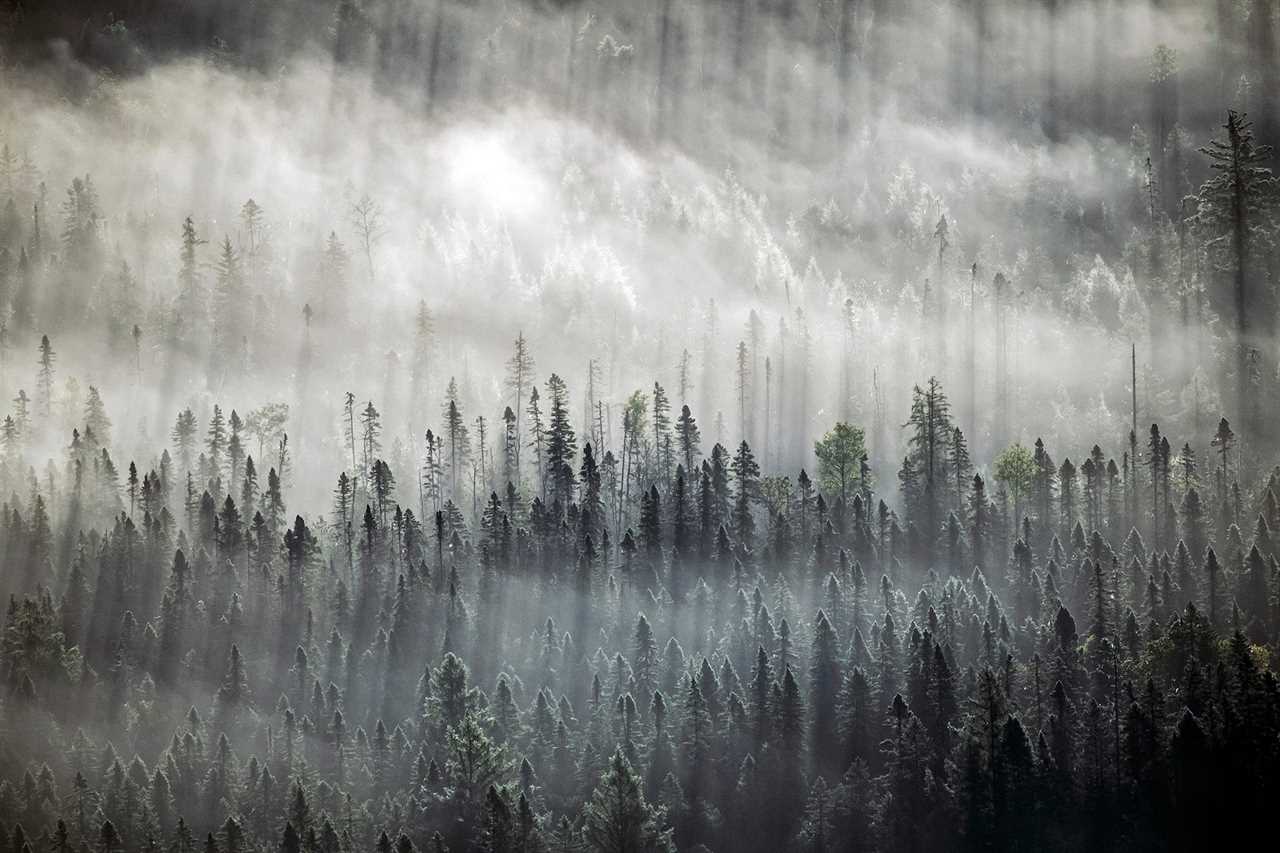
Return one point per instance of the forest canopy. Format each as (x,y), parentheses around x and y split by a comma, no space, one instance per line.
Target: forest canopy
(599,426)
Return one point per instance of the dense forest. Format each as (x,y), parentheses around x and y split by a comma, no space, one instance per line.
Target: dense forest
(606,426)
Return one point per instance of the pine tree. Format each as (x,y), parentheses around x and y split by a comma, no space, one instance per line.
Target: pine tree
(980,532)
(457,440)
(519,381)
(824,689)
(760,709)
(663,457)
(1213,587)
(290,842)
(561,444)
(229,314)
(498,825)
(44,380)
(1235,204)
(688,437)
(95,416)
(617,818)
(216,442)
(747,474)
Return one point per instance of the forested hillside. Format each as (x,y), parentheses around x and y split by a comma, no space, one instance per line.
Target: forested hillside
(609,426)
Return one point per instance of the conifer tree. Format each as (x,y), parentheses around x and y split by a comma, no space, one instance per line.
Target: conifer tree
(617,817)
(1234,206)
(44,379)
(688,437)
(747,474)
(561,444)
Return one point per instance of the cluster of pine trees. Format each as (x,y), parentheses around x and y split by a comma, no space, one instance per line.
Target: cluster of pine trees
(585,620)
(664,649)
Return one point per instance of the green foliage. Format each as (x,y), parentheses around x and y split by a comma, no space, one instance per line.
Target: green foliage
(1015,468)
(840,455)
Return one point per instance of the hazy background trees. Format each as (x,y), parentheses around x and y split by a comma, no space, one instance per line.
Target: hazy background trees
(1010,193)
